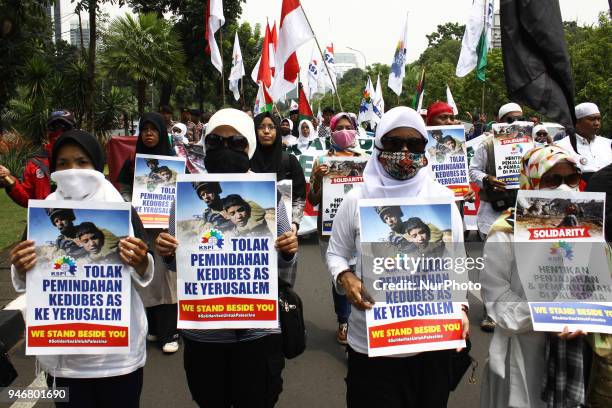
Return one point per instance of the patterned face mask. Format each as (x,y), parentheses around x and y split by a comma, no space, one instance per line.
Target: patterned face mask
(402,165)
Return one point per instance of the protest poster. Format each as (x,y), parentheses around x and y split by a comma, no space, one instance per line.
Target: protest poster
(446,153)
(226,261)
(511,142)
(344,173)
(285,189)
(78,293)
(306,158)
(414,272)
(470,210)
(564,265)
(154,188)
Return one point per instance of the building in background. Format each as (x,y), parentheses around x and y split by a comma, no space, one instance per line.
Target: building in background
(345,61)
(496,42)
(75,35)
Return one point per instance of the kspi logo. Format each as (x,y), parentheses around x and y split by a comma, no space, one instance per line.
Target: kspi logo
(562,249)
(517,149)
(211,239)
(64,266)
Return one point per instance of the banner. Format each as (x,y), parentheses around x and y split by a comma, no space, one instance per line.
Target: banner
(564,263)
(344,173)
(446,153)
(470,210)
(226,261)
(306,158)
(154,188)
(78,293)
(414,273)
(511,143)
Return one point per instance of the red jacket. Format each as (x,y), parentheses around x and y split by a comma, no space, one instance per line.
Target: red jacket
(35,182)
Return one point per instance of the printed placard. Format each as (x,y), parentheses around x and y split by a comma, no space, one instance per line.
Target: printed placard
(470,210)
(344,174)
(154,188)
(564,264)
(78,293)
(285,188)
(226,261)
(410,268)
(511,142)
(447,157)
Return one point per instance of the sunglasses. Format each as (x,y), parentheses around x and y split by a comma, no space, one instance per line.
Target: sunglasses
(396,144)
(58,126)
(542,134)
(236,142)
(555,180)
(513,119)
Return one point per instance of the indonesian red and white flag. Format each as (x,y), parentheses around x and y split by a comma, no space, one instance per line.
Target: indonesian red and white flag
(214,21)
(294,31)
(272,40)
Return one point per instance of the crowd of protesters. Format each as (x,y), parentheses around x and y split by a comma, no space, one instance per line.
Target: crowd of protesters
(243,368)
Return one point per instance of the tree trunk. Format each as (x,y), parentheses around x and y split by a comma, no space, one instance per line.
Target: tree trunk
(165,93)
(91,67)
(141,94)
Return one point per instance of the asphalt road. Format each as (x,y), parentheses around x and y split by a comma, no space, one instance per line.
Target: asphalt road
(314,379)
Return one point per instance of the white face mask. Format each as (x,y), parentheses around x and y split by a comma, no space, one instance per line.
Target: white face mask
(562,187)
(78,184)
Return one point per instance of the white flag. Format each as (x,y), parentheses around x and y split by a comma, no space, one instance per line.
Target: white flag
(319,115)
(367,110)
(468,59)
(313,74)
(450,100)
(328,54)
(214,23)
(398,66)
(379,101)
(237,71)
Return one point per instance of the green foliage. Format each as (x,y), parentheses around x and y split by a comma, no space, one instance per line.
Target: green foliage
(14,152)
(15,223)
(144,50)
(112,104)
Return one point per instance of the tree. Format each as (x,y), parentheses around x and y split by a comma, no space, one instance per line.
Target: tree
(445,32)
(143,50)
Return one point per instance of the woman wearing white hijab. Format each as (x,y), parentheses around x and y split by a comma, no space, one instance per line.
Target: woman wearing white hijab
(394,170)
(306,134)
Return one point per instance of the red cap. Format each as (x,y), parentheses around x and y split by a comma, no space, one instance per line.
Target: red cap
(437,108)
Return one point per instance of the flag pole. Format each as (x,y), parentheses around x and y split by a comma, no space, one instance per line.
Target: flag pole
(222,75)
(323,58)
(242,102)
(484,27)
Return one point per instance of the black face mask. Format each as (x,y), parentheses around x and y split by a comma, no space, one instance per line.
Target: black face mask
(226,160)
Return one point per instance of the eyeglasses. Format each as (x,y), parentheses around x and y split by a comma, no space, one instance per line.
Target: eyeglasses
(266,127)
(396,144)
(555,180)
(512,119)
(237,142)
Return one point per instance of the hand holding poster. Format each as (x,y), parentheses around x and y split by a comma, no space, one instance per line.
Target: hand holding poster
(413,273)
(226,260)
(344,173)
(512,141)
(564,266)
(78,293)
(446,153)
(155,188)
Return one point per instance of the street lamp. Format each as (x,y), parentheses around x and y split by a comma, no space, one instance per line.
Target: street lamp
(365,64)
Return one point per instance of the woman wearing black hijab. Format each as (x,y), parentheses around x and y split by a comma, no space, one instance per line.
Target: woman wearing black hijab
(160,296)
(269,157)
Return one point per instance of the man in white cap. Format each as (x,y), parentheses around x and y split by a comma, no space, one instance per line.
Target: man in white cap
(494,198)
(591,152)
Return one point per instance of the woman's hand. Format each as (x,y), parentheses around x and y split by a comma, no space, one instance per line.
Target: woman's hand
(465,323)
(133,251)
(166,244)
(319,172)
(23,257)
(355,292)
(566,335)
(287,243)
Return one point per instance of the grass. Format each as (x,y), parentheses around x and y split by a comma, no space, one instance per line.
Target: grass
(12,221)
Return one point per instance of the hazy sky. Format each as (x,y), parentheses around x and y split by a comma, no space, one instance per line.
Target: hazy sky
(373,26)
